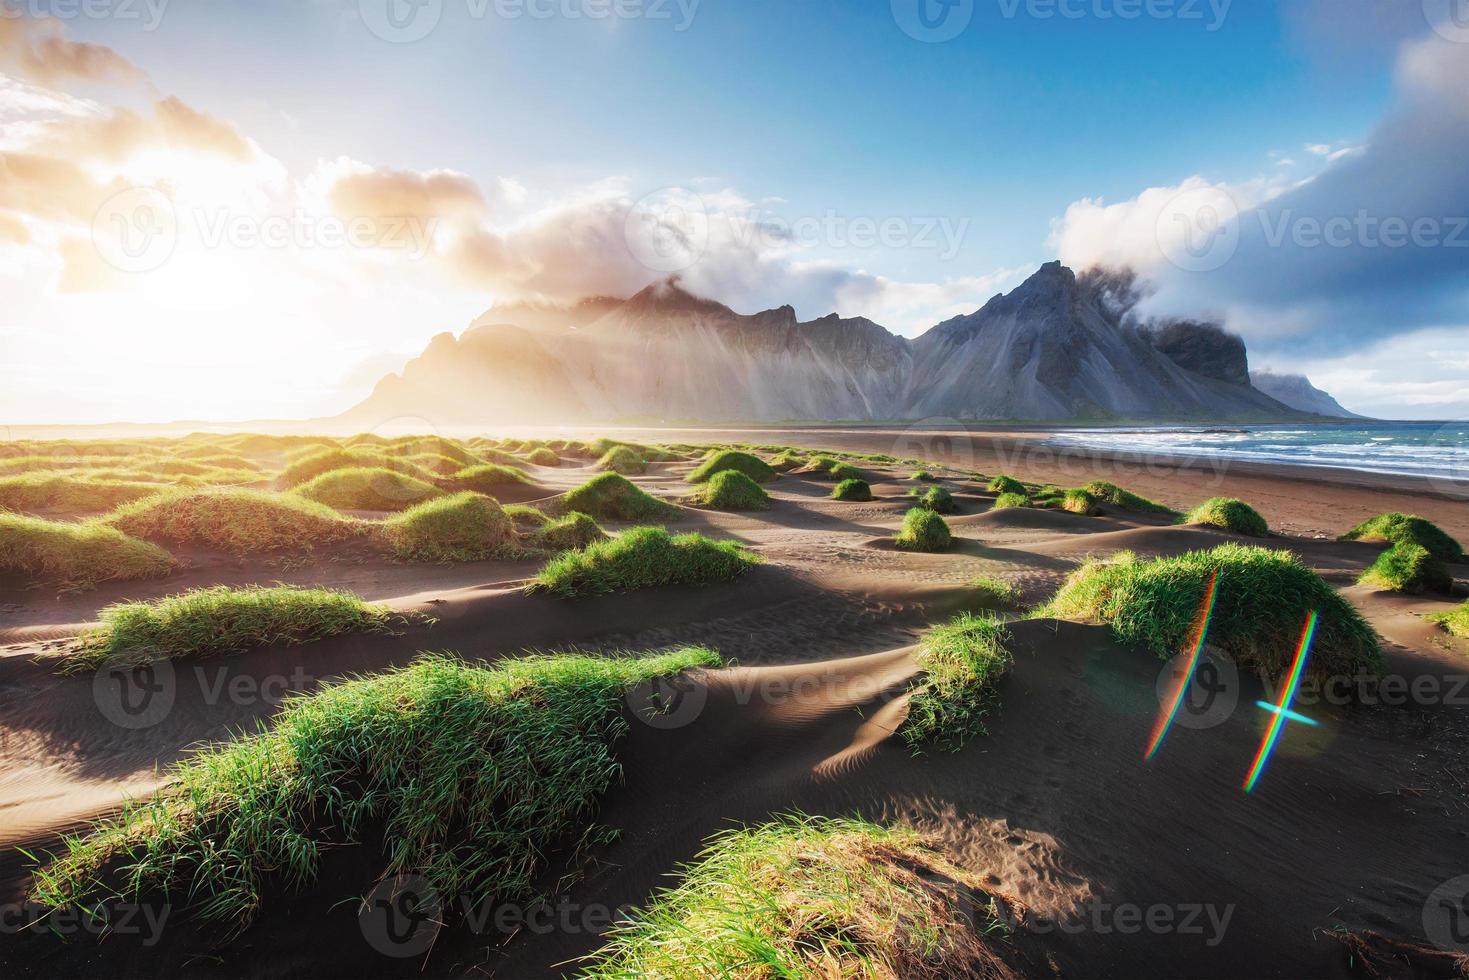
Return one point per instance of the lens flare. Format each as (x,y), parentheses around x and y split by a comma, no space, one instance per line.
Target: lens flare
(1186,676)
(1281,710)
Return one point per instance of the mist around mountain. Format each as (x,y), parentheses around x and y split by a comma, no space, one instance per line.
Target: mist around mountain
(1297,391)
(1058,348)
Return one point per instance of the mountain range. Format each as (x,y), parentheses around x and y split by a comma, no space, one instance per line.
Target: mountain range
(1060,347)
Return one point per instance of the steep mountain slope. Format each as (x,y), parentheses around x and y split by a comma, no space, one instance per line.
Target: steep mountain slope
(1056,348)
(1299,393)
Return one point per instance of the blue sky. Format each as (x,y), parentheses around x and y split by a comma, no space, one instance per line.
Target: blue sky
(1018,133)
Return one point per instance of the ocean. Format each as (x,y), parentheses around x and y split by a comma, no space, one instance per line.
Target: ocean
(1438,450)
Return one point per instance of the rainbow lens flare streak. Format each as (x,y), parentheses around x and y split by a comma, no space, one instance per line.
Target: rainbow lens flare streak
(1176,696)
(1281,711)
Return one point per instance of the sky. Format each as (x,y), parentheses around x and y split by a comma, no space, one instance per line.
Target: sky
(235,209)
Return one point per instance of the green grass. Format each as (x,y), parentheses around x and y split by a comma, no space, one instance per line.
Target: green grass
(1232,515)
(923,530)
(1005,484)
(466,775)
(643,558)
(367,488)
(936,499)
(924,476)
(1049,497)
(845,471)
(575,530)
(317,461)
(612,497)
(1264,597)
(437,445)
(218,620)
(621,459)
(543,457)
(962,661)
(527,517)
(488,477)
(464,526)
(1010,501)
(731,460)
(1079,502)
(76,554)
(732,490)
(786,461)
(1111,493)
(1398,528)
(820,464)
(807,898)
(1408,567)
(238,521)
(71,493)
(996,590)
(1455,621)
(856,491)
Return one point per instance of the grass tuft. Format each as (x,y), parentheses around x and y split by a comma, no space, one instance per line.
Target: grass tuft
(787,460)
(805,898)
(622,459)
(238,521)
(1006,484)
(465,775)
(1455,621)
(845,471)
(732,460)
(1408,567)
(1232,515)
(464,526)
(1079,502)
(489,477)
(962,661)
(1111,493)
(855,491)
(1264,597)
(731,490)
(613,497)
(643,558)
(76,554)
(936,499)
(75,492)
(542,456)
(218,620)
(996,590)
(367,488)
(924,476)
(1010,501)
(1396,528)
(923,530)
(575,530)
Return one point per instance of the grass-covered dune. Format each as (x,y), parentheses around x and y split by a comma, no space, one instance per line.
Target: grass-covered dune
(466,775)
(238,521)
(1111,493)
(936,499)
(463,526)
(1079,501)
(1263,600)
(71,492)
(75,554)
(368,488)
(316,461)
(1005,484)
(1010,501)
(622,459)
(1232,515)
(489,477)
(1396,528)
(574,530)
(813,898)
(731,490)
(542,456)
(1408,567)
(1455,621)
(962,661)
(218,620)
(732,460)
(643,558)
(854,491)
(612,497)
(923,530)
